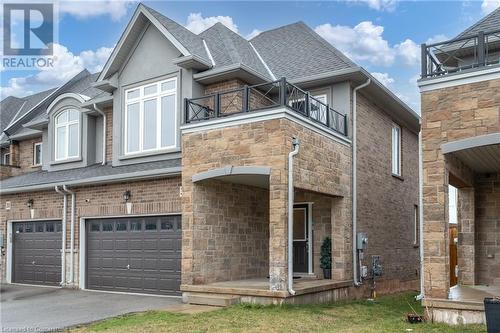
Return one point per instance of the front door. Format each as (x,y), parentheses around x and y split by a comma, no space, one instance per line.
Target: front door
(300,238)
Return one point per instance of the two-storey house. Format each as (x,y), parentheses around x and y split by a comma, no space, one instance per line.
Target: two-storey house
(460,89)
(213,166)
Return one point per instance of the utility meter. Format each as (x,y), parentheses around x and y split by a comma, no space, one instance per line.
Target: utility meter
(361,241)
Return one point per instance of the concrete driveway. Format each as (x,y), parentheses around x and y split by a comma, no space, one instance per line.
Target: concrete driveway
(36,309)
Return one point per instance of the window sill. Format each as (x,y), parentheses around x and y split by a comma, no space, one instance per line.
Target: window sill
(398,177)
(149,153)
(69,160)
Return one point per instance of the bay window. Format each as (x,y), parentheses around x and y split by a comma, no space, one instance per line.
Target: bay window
(67,134)
(151,117)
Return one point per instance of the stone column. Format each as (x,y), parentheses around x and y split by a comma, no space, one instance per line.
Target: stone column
(466,232)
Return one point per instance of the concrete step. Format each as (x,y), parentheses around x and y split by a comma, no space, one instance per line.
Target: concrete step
(213,299)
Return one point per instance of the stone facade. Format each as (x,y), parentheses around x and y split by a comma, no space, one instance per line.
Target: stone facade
(450,114)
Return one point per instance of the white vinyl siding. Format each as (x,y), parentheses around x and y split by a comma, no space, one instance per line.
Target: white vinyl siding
(396,150)
(67,134)
(151,117)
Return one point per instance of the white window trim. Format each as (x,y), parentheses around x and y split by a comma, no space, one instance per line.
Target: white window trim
(416,225)
(140,100)
(398,171)
(5,158)
(34,153)
(66,124)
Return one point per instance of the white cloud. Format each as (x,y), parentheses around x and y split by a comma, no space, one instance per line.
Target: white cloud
(66,65)
(197,23)
(83,9)
(408,51)
(382,5)
(489,5)
(436,39)
(364,42)
(254,33)
(384,78)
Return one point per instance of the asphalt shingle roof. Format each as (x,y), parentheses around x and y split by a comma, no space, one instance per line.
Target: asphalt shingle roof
(42,177)
(295,51)
(490,22)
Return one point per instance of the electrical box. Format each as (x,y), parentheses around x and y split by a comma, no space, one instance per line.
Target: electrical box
(361,241)
(363,272)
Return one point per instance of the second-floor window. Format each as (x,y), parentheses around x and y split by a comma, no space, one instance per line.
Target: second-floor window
(151,117)
(396,150)
(67,134)
(37,153)
(6,159)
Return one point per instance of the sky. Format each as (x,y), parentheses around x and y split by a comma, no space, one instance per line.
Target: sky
(383,36)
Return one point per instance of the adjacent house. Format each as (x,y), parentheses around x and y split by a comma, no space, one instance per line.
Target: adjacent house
(460,89)
(213,167)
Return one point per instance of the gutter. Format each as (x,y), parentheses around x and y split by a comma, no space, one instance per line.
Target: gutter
(421,216)
(63,232)
(72,235)
(355,182)
(295,151)
(104,120)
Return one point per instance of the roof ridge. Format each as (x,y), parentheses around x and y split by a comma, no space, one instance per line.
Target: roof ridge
(280,27)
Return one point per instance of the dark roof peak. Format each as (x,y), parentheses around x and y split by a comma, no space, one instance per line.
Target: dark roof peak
(490,22)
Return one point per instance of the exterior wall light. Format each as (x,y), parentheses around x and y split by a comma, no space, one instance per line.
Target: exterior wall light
(126,195)
(30,203)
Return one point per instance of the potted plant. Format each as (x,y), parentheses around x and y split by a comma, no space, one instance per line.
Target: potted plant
(326,258)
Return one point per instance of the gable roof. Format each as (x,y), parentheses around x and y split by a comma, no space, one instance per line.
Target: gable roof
(295,50)
(490,22)
(229,48)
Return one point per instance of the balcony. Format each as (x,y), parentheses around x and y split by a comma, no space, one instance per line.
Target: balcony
(476,51)
(263,97)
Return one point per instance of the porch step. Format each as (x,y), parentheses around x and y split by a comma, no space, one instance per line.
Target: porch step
(213,299)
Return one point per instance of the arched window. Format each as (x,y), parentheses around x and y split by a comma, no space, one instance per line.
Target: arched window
(67,134)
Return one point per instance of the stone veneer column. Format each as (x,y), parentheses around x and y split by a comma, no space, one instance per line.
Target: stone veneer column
(466,233)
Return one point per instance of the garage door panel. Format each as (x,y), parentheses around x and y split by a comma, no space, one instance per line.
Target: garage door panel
(37,252)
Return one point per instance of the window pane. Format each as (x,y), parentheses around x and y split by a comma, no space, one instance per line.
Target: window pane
(19,227)
(168,121)
(38,154)
(62,117)
(95,226)
(61,142)
(73,141)
(135,226)
(151,225)
(49,227)
(133,127)
(150,89)
(169,85)
(121,226)
(150,123)
(28,227)
(73,115)
(169,225)
(299,224)
(107,226)
(58,227)
(133,94)
(39,227)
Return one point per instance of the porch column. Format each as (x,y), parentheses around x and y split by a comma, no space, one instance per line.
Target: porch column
(278,236)
(466,232)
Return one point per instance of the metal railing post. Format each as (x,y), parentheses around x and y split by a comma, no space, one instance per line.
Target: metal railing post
(186,110)
(346,125)
(328,115)
(423,57)
(245,98)
(308,105)
(283,91)
(217,105)
(480,48)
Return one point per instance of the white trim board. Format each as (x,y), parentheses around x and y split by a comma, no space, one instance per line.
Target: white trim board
(452,80)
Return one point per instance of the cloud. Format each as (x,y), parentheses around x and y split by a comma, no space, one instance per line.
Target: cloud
(254,33)
(384,78)
(381,5)
(489,5)
(83,9)
(408,51)
(66,65)
(436,39)
(197,23)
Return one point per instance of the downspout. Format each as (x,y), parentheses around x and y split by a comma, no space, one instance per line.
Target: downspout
(295,151)
(104,119)
(421,215)
(72,235)
(63,232)
(355,182)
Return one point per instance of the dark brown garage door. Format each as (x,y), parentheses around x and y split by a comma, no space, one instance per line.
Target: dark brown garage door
(37,252)
(140,254)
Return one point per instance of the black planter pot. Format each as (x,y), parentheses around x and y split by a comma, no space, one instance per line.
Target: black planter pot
(492,312)
(327,273)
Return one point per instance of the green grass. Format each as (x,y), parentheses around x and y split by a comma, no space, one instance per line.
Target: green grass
(387,314)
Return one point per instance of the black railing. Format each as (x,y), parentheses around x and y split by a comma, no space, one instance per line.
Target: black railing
(473,51)
(261,97)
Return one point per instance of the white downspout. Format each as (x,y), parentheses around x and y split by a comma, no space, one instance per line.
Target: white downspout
(355,181)
(104,119)
(421,215)
(72,236)
(63,232)
(295,151)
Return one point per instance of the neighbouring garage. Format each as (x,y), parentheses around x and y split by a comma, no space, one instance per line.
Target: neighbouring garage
(134,254)
(37,252)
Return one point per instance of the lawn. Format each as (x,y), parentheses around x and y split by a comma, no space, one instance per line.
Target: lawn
(386,314)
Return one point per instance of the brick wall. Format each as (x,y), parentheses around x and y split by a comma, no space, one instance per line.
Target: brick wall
(26,149)
(109,133)
(386,204)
